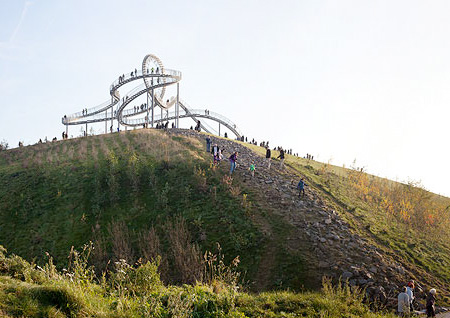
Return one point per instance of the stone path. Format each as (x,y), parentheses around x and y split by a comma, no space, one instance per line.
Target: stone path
(334,250)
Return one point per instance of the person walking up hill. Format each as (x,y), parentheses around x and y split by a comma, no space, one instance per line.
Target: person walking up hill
(281,157)
(301,187)
(233,159)
(208,144)
(268,155)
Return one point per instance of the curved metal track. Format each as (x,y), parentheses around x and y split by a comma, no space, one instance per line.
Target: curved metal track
(155,80)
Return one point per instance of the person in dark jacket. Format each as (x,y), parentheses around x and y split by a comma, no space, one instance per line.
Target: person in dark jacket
(233,159)
(268,157)
(208,144)
(431,300)
(281,157)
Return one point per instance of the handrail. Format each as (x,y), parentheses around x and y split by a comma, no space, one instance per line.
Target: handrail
(159,81)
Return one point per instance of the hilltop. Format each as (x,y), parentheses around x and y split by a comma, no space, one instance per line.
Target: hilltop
(143,193)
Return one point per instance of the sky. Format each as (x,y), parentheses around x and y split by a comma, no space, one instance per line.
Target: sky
(341,80)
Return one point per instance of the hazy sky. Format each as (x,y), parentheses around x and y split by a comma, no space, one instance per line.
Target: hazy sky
(342,80)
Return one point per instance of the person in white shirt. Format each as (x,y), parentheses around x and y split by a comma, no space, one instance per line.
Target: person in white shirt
(403,303)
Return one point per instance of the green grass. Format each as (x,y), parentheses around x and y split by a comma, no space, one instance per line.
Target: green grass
(69,192)
(138,292)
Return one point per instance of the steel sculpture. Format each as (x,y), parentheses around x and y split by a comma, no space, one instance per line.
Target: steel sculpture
(155,78)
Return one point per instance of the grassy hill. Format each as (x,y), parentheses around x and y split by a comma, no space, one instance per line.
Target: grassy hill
(132,194)
(147,195)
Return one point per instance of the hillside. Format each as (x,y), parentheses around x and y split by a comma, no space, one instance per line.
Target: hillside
(144,193)
(137,291)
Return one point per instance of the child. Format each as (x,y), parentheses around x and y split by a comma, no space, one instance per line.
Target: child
(252,169)
(301,186)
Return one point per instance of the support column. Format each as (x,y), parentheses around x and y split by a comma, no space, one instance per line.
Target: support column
(153,107)
(177,108)
(112,113)
(106,121)
(67,131)
(86,130)
(148,110)
(219,129)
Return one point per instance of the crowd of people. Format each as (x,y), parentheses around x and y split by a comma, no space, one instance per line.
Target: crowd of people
(135,73)
(218,155)
(141,108)
(265,144)
(407,301)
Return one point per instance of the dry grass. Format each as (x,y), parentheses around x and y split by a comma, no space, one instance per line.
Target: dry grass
(120,236)
(186,255)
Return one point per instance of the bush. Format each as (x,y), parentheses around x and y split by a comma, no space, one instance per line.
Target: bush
(17,267)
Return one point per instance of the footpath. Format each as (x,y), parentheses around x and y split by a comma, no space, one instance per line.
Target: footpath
(333,249)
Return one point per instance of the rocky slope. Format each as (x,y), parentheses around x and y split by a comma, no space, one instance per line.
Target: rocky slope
(332,247)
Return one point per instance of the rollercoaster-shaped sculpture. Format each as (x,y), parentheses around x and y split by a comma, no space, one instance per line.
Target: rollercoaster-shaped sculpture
(155,79)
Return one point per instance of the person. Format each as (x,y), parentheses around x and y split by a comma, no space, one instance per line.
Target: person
(410,292)
(63,135)
(225,135)
(403,303)
(431,301)
(301,187)
(281,157)
(233,159)
(208,144)
(268,155)
(215,151)
(252,169)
